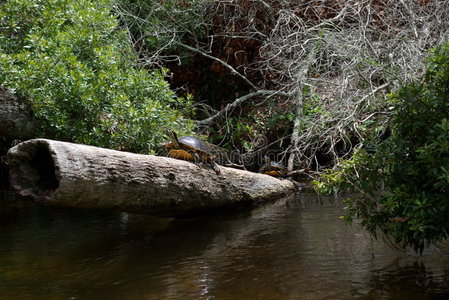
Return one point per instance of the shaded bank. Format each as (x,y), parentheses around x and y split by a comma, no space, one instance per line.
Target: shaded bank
(16,123)
(74,175)
(16,117)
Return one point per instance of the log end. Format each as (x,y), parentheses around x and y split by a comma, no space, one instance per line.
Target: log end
(32,169)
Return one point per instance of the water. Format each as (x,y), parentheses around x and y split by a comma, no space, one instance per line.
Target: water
(296,248)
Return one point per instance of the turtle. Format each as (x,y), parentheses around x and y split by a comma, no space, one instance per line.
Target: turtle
(272,168)
(190,148)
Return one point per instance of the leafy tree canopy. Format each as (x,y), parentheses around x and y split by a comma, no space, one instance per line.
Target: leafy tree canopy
(76,66)
(404,184)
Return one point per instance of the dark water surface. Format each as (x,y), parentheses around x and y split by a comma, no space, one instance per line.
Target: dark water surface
(296,248)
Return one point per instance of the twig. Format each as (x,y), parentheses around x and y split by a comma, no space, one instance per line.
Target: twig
(239,101)
(228,66)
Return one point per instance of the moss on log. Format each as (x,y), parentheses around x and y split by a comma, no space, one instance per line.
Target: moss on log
(74,175)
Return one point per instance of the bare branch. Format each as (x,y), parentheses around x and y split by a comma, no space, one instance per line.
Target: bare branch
(228,66)
(239,101)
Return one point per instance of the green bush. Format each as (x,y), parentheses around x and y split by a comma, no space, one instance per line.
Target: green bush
(404,184)
(77,67)
(159,26)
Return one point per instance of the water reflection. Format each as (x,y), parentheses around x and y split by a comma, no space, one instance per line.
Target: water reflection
(411,280)
(295,248)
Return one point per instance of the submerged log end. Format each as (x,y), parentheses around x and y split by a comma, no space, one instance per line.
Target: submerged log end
(74,175)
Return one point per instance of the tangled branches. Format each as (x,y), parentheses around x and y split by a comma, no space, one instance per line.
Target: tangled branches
(340,59)
(333,61)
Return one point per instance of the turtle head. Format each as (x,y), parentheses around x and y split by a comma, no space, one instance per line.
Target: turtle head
(173,137)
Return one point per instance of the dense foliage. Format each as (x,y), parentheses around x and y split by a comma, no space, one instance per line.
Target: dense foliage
(405,182)
(76,65)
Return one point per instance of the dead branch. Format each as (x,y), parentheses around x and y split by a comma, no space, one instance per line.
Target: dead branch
(239,101)
(228,66)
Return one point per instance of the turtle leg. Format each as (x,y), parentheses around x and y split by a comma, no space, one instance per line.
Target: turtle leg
(195,155)
(215,167)
(199,161)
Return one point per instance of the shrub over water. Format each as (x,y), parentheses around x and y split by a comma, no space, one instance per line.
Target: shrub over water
(404,184)
(76,66)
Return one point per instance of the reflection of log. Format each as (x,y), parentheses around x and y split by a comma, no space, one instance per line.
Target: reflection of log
(75,175)
(16,120)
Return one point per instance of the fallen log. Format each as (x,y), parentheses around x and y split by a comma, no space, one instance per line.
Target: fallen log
(74,175)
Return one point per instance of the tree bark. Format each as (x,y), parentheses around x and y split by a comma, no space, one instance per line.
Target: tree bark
(16,118)
(74,175)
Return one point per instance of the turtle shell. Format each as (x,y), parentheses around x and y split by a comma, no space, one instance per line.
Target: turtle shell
(194,144)
(190,148)
(273,169)
(186,147)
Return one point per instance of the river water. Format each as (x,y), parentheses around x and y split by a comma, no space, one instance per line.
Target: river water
(295,248)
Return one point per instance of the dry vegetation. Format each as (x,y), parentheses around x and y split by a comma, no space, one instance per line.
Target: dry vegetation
(332,63)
